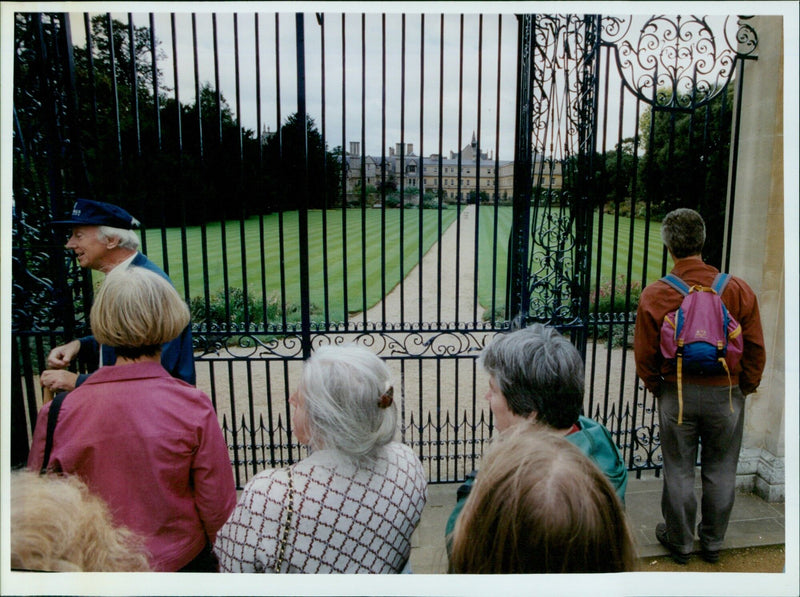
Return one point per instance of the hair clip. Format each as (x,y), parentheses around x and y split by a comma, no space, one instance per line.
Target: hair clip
(386,399)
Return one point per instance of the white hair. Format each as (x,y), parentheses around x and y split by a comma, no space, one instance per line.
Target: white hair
(342,387)
(128,239)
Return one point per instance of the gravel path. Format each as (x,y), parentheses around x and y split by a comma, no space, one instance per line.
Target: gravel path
(443,389)
(448,291)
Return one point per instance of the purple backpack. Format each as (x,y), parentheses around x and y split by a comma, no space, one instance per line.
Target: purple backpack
(701,337)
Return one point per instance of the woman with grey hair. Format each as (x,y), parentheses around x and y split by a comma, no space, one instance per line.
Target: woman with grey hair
(536,374)
(352,505)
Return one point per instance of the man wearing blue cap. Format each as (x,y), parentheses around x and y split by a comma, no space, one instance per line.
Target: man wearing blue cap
(103,239)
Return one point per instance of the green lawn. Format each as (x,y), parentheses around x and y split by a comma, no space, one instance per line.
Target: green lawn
(243,245)
(489,282)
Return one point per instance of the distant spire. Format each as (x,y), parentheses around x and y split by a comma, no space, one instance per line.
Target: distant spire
(474,140)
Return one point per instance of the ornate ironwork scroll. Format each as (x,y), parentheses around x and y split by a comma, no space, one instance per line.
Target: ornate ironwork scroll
(678,61)
(561,53)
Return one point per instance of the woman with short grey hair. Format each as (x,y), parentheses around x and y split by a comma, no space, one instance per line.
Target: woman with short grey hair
(352,505)
(539,372)
(537,375)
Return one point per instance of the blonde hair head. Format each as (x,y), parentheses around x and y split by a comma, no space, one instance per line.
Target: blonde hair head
(58,525)
(539,505)
(137,308)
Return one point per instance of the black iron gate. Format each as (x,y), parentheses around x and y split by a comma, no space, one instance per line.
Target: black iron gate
(406,253)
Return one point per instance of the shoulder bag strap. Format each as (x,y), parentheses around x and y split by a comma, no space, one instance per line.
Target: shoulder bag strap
(52,419)
(720,282)
(675,282)
(288,525)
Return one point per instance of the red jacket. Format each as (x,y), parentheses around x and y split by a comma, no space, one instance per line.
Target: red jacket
(150,445)
(658,299)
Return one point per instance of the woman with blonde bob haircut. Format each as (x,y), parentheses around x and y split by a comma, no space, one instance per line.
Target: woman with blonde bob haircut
(57,525)
(145,442)
(124,309)
(539,505)
(352,505)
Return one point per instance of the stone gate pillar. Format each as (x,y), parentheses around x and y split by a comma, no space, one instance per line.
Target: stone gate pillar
(757,254)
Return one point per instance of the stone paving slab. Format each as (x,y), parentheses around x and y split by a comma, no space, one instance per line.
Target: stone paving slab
(754,522)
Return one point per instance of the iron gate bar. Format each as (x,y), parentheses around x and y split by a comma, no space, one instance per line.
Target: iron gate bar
(441,173)
(476,240)
(344,178)
(134,86)
(382,169)
(496,179)
(243,209)
(402,158)
(303,215)
(279,132)
(325,206)
(422,162)
(458,176)
(115,94)
(735,162)
(90,62)
(517,294)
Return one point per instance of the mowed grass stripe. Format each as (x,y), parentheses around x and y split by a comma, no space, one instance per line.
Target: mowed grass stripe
(317,235)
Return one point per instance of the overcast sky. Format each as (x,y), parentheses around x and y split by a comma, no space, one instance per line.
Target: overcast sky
(439,36)
(488,49)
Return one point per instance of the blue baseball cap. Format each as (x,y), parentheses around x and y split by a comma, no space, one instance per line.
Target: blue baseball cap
(97,213)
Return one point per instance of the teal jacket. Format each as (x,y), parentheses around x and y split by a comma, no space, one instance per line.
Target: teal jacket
(594,440)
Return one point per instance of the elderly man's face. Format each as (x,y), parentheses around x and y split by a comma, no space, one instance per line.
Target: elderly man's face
(89,250)
(503,416)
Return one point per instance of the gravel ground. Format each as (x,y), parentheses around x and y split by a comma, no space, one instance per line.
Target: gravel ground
(769,558)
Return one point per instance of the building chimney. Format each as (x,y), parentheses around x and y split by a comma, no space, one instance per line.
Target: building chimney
(355,148)
(410,147)
(391,151)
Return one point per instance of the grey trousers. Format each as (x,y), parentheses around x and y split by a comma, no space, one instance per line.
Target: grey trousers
(709,423)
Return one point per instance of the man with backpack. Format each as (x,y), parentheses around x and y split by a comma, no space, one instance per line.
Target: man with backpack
(699,349)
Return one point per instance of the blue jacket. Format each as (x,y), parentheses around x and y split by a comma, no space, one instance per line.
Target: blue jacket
(594,440)
(177,356)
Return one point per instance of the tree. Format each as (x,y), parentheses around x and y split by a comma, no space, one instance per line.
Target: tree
(483,197)
(286,168)
(390,186)
(685,164)
(136,154)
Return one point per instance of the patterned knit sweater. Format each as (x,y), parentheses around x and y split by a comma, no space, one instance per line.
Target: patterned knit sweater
(346,519)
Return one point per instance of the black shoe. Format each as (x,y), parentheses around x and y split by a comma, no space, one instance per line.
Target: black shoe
(661,535)
(710,555)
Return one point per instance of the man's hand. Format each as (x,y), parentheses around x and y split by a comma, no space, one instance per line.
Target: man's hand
(61,356)
(58,380)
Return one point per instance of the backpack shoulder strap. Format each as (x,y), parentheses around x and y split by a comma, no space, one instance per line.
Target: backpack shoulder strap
(675,282)
(52,419)
(720,282)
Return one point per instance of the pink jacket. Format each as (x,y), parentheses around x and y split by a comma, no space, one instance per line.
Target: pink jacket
(151,446)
